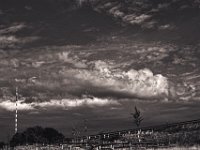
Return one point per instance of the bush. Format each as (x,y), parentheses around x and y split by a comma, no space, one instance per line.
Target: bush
(37,135)
(2,144)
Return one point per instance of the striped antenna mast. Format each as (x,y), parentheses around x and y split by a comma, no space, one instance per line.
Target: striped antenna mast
(16,95)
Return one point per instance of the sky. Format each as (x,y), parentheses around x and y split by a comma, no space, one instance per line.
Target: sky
(91,67)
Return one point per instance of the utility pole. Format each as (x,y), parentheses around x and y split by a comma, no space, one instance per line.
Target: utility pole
(16,117)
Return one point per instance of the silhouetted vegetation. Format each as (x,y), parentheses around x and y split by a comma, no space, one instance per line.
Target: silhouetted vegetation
(2,144)
(137,117)
(37,135)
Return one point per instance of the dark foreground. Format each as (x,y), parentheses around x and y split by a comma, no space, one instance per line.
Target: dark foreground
(183,135)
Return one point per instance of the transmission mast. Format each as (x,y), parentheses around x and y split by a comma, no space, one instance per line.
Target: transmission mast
(16,101)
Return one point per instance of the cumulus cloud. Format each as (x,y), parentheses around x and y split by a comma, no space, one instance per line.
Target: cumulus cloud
(12,40)
(63,103)
(64,56)
(139,83)
(116,12)
(71,103)
(10,105)
(12,29)
(8,39)
(100,78)
(166,27)
(38,64)
(144,13)
(140,19)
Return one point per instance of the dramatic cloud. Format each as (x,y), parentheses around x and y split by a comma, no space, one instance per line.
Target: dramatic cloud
(88,65)
(146,14)
(63,104)
(8,39)
(67,73)
(141,83)
(10,105)
(64,56)
(12,29)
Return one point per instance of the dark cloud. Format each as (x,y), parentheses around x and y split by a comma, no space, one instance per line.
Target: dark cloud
(70,73)
(80,65)
(149,14)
